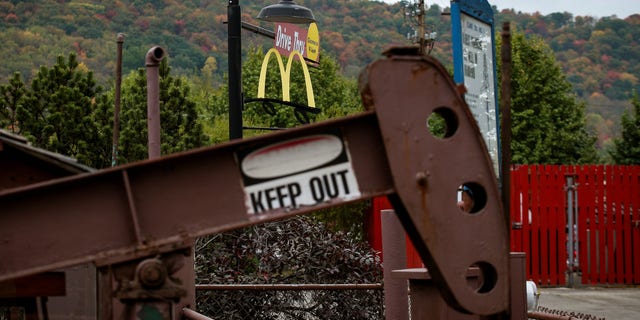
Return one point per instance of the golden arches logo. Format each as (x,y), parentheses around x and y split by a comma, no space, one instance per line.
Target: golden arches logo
(285,75)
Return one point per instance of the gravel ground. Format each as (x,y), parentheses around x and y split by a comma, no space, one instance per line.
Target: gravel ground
(608,303)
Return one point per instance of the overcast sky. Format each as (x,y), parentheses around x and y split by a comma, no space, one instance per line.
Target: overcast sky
(594,8)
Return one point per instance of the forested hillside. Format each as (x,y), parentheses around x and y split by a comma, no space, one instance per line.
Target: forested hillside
(601,56)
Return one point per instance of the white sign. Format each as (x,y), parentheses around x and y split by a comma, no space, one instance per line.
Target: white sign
(477,56)
(301,172)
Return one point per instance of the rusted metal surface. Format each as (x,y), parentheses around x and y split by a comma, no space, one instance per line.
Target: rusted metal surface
(152,61)
(137,210)
(45,284)
(428,303)
(394,257)
(23,164)
(404,91)
(505,121)
(518,279)
(144,209)
(117,100)
(425,299)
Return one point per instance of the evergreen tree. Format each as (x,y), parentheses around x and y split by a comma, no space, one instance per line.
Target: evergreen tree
(548,121)
(56,113)
(180,127)
(11,96)
(626,149)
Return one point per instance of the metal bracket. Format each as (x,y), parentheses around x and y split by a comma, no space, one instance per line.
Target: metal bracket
(427,169)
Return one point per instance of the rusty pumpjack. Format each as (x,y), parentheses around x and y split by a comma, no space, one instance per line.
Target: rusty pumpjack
(137,222)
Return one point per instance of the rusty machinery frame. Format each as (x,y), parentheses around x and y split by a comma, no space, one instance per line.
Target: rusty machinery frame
(141,219)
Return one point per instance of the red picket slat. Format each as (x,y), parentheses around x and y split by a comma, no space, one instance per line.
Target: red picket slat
(612,204)
(544,187)
(611,196)
(627,185)
(526,226)
(620,220)
(559,223)
(608,241)
(601,227)
(516,220)
(588,258)
(552,239)
(635,221)
(535,224)
(618,265)
(597,225)
(618,248)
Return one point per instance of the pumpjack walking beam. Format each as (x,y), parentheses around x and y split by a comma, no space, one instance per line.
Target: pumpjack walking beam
(159,206)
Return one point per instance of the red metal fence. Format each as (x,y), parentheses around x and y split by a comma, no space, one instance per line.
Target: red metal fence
(604,209)
(605,212)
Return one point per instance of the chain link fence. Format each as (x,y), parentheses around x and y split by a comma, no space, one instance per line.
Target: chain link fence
(308,302)
(291,269)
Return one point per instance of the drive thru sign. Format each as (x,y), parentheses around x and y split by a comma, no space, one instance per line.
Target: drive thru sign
(305,171)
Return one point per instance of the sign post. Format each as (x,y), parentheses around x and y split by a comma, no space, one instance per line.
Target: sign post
(474,66)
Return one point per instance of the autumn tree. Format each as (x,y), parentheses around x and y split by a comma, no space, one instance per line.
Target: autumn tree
(626,149)
(11,96)
(548,121)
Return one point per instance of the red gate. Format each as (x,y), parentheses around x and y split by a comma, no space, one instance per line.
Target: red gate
(606,205)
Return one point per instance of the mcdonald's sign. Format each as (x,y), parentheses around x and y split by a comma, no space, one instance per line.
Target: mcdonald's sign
(290,37)
(285,75)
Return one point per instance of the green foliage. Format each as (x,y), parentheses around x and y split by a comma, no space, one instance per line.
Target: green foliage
(57,112)
(600,56)
(293,251)
(11,97)
(626,149)
(64,111)
(548,122)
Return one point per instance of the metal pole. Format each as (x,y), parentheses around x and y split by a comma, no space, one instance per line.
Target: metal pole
(396,298)
(152,61)
(570,222)
(505,132)
(116,109)
(235,69)
(516,309)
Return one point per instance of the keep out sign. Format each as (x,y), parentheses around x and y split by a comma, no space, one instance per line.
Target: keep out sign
(305,171)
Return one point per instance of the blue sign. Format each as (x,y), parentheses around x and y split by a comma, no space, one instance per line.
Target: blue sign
(474,66)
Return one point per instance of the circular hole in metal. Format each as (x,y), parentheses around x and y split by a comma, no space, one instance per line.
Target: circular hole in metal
(442,123)
(482,277)
(471,197)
